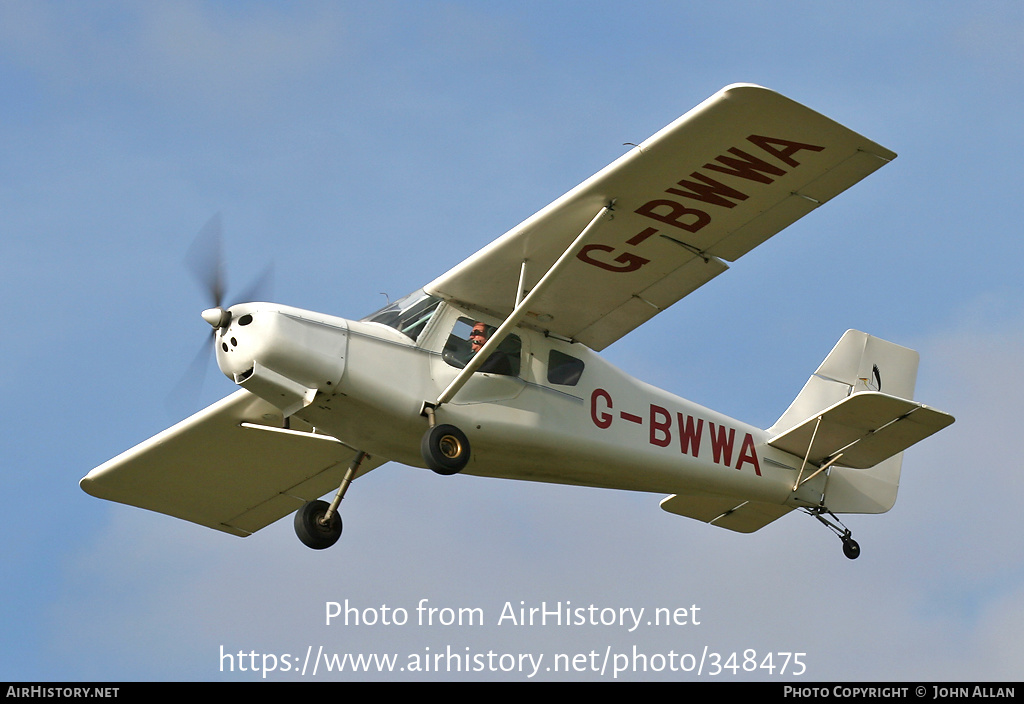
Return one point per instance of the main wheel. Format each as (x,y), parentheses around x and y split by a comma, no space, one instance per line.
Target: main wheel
(311,529)
(445,449)
(851,548)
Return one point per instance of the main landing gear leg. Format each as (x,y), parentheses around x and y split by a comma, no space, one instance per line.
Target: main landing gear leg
(318,523)
(850,546)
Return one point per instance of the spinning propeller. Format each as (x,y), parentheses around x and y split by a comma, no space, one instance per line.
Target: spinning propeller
(205,260)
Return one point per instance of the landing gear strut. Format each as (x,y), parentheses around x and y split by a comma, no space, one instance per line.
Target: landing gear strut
(851,548)
(318,523)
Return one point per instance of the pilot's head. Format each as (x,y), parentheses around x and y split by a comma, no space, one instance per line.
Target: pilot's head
(477,337)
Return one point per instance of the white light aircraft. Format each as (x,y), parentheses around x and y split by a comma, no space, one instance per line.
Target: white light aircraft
(492,368)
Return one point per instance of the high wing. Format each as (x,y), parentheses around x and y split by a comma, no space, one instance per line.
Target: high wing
(709,187)
(226,468)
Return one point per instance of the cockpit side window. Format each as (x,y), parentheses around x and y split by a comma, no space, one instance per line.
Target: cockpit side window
(468,336)
(408,315)
(564,369)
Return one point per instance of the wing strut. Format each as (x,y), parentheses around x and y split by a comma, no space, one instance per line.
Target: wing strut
(522,307)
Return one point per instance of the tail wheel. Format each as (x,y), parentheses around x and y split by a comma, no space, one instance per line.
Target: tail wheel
(311,528)
(445,449)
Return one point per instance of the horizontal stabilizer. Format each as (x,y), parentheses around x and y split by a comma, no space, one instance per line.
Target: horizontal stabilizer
(225,468)
(725,512)
(865,428)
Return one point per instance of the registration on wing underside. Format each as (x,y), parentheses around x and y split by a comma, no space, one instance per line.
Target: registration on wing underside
(709,187)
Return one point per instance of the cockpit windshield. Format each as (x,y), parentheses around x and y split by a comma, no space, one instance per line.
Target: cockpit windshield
(408,315)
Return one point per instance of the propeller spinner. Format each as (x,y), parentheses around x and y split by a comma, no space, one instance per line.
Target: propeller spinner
(217,317)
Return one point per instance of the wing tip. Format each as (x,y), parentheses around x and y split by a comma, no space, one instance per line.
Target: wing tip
(88,485)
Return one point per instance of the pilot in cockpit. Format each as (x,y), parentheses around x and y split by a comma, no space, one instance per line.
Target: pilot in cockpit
(478,337)
(498,362)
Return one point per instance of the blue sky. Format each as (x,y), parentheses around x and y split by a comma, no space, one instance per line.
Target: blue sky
(365,148)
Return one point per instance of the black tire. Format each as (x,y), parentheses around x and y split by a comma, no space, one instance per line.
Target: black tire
(445,449)
(851,548)
(311,531)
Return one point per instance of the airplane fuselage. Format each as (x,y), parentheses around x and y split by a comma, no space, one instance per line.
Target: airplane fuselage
(365,383)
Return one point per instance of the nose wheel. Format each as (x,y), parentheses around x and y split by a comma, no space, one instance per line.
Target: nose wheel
(314,528)
(317,523)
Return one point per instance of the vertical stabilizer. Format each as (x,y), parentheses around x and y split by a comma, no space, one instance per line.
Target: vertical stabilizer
(858,363)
